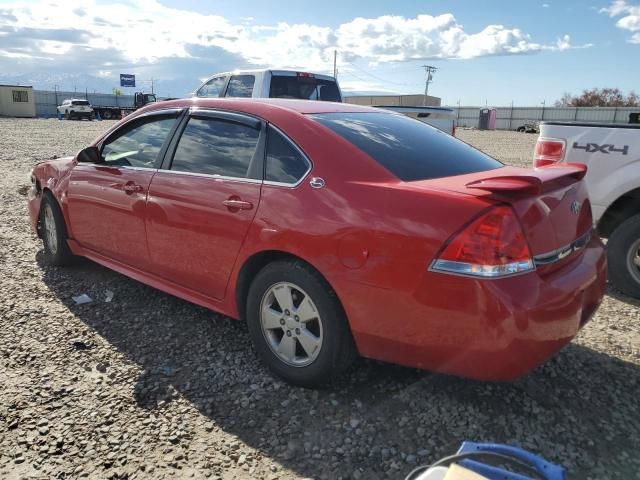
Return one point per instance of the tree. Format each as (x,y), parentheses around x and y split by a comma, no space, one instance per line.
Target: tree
(117,92)
(565,100)
(600,97)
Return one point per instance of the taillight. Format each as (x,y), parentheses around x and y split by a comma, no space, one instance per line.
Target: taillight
(548,151)
(493,245)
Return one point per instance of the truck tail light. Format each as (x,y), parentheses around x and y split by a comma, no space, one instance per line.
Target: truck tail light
(493,245)
(548,151)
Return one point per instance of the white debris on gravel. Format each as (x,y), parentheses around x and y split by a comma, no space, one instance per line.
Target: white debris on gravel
(149,386)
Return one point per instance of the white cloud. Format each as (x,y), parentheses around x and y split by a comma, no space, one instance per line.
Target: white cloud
(147,32)
(630,20)
(545,5)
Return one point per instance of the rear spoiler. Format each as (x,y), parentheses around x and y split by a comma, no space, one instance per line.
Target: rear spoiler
(533,183)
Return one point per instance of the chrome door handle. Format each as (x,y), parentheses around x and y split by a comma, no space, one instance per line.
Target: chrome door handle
(235,204)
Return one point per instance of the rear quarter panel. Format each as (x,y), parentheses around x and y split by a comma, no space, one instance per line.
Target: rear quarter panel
(364,227)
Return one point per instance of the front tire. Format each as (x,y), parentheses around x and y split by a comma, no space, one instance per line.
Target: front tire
(623,255)
(54,232)
(297,324)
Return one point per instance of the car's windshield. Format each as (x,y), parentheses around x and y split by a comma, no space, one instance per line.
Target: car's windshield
(409,149)
(304,87)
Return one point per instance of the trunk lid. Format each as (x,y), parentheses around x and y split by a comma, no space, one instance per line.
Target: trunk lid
(551,203)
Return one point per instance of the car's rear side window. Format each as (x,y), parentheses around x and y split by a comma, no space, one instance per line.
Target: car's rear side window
(408,148)
(216,147)
(240,86)
(285,163)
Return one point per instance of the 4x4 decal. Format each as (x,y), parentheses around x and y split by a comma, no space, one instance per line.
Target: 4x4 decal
(606,148)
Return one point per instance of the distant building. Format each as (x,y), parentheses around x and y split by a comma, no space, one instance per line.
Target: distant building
(395,100)
(17,101)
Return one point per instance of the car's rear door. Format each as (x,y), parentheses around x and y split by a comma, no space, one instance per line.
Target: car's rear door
(107,201)
(203,200)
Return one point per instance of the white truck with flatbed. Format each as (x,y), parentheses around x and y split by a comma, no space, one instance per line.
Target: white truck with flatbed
(612,155)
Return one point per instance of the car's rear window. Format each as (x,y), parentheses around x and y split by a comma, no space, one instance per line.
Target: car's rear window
(80,102)
(304,87)
(408,148)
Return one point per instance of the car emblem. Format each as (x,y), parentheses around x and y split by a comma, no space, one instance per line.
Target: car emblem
(575,207)
(317,182)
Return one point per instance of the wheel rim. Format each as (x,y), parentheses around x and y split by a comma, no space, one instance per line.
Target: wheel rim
(633,260)
(50,229)
(291,324)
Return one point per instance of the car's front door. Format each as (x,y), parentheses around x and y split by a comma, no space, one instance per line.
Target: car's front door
(107,200)
(203,200)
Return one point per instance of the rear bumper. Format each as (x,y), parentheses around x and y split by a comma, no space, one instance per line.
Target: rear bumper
(482,329)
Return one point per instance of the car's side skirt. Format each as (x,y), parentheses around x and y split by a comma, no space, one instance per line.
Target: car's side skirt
(149,279)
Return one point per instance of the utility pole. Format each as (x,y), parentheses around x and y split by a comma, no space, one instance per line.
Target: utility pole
(335,66)
(151,84)
(429,70)
(55,89)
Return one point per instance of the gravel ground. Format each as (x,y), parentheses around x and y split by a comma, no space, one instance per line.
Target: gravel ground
(149,386)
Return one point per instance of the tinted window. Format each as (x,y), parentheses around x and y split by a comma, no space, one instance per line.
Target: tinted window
(213,88)
(408,148)
(80,102)
(215,147)
(240,86)
(138,146)
(285,163)
(306,88)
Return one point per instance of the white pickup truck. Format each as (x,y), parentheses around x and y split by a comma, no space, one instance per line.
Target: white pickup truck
(271,83)
(612,154)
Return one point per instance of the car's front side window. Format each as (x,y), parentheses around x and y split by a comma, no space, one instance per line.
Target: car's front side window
(140,145)
(213,88)
(216,147)
(240,86)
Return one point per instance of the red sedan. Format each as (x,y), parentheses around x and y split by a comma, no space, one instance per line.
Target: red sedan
(333,230)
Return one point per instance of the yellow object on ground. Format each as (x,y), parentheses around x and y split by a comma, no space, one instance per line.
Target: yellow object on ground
(456,472)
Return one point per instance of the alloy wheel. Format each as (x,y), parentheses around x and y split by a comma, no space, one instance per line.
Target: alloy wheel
(291,324)
(51,234)
(633,260)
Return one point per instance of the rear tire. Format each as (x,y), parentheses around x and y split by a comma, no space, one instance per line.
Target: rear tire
(520,129)
(623,255)
(54,232)
(311,321)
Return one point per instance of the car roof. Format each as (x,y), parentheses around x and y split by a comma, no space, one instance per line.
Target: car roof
(263,105)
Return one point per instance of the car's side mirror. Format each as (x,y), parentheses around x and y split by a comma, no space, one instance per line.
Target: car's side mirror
(89,155)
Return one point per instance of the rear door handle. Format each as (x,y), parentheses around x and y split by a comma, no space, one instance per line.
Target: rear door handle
(237,204)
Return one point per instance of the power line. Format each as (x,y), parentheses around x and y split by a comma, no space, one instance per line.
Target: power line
(380,78)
